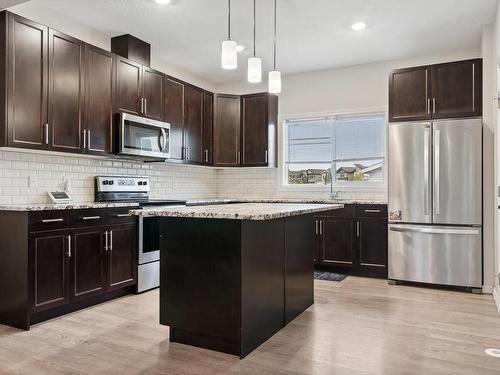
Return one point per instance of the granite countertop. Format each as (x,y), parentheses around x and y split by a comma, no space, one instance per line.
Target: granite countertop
(208,201)
(64,206)
(238,211)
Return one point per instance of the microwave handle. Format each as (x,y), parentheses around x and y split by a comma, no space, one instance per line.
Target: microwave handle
(163,140)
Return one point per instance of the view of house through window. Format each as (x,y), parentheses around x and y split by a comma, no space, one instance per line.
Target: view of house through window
(352,147)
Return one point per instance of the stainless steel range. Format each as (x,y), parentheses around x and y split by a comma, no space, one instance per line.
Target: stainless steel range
(136,190)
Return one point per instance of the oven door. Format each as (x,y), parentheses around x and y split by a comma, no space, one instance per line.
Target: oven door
(139,136)
(149,239)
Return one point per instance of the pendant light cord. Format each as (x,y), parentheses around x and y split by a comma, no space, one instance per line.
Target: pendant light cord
(274,34)
(228,19)
(254,53)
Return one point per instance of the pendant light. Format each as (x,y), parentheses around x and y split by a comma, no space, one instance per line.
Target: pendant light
(274,75)
(254,62)
(229,53)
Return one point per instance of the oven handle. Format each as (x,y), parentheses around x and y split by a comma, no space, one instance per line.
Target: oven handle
(163,139)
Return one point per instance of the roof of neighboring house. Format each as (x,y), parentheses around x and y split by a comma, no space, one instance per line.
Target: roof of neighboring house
(347,169)
(360,167)
(371,168)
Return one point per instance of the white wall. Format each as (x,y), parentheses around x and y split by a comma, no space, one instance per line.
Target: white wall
(61,22)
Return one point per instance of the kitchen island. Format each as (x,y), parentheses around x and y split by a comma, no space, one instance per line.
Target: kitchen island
(233,275)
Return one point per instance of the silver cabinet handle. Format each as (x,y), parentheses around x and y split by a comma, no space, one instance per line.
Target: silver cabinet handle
(373,211)
(122,215)
(320,227)
(88,139)
(90,217)
(316,227)
(358,228)
(428,106)
(267,157)
(145,106)
(141,103)
(433,106)
(238,157)
(437,159)
(84,139)
(110,240)
(69,246)
(47,221)
(46,134)
(206,155)
(106,242)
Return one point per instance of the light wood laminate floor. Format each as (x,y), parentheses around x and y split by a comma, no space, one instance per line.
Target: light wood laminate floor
(358,326)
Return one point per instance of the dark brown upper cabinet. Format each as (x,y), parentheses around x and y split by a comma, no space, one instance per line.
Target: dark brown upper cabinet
(24,58)
(129,86)
(438,91)
(227,131)
(457,89)
(409,94)
(208,123)
(98,109)
(174,114)
(154,88)
(66,90)
(258,125)
(194,125)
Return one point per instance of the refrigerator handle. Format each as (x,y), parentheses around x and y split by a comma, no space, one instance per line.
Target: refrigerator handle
(427,191)
(434,230)
(437,160)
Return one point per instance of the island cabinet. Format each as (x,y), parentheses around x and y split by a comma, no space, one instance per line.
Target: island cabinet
(229,285)
(59,261)
(437,91)
(352,240)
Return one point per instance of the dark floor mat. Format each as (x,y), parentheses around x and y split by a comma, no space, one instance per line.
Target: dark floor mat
(320,275)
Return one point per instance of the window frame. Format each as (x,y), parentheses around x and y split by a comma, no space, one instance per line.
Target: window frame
(336,185)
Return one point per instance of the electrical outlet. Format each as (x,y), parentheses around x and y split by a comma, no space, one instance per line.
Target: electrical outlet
(67,184)
(33,180)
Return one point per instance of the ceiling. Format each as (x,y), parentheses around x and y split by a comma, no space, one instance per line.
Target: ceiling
(312,34)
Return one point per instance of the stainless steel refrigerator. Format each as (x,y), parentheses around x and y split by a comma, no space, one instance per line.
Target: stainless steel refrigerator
(435,202)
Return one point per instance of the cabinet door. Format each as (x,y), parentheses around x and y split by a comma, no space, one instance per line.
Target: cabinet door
(154,83)
(65,92)
(409,94)
(227,131)
(122,256)
(338,241)
(49,262)
(254,130)
(457,89)
(98,100)
(372,245)
(88,263)
(27,83)
(129,86)
(208,127)
(174,115)
(194,125)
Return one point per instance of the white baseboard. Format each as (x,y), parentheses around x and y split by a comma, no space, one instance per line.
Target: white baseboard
(496,297)
(488,289)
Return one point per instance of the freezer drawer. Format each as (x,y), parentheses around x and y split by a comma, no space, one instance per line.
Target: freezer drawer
(436,254)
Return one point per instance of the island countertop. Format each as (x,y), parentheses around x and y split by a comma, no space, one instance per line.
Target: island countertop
(238,211)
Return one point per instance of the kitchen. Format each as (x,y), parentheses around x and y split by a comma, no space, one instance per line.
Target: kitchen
(318,157)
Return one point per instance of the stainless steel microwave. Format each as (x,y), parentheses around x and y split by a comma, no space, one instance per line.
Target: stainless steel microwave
(143,137)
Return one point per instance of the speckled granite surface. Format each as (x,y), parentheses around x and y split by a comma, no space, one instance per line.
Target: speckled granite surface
(194,202)
(64,206)
(238,211)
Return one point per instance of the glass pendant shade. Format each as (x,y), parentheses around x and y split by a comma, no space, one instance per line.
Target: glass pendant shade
(254,69)
(229,54)
(275,82)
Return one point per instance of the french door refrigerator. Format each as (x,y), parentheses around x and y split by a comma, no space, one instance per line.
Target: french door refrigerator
(435,202)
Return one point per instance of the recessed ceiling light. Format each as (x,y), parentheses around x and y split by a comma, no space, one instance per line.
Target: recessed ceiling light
(163,2)
(240,48)
(358,26)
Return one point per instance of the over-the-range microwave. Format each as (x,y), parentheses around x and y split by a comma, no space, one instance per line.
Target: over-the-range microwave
(142,137)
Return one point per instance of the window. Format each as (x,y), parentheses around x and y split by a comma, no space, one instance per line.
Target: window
(353,147)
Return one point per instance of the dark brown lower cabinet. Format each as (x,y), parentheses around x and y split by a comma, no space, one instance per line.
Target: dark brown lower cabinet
(88,263)
(122,256)
(50,270)
(54,263)
(352,240)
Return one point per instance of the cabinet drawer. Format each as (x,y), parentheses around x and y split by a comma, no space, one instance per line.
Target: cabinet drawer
(349,210)
(372,210)
(87,218)
(120,216)
(48,220)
